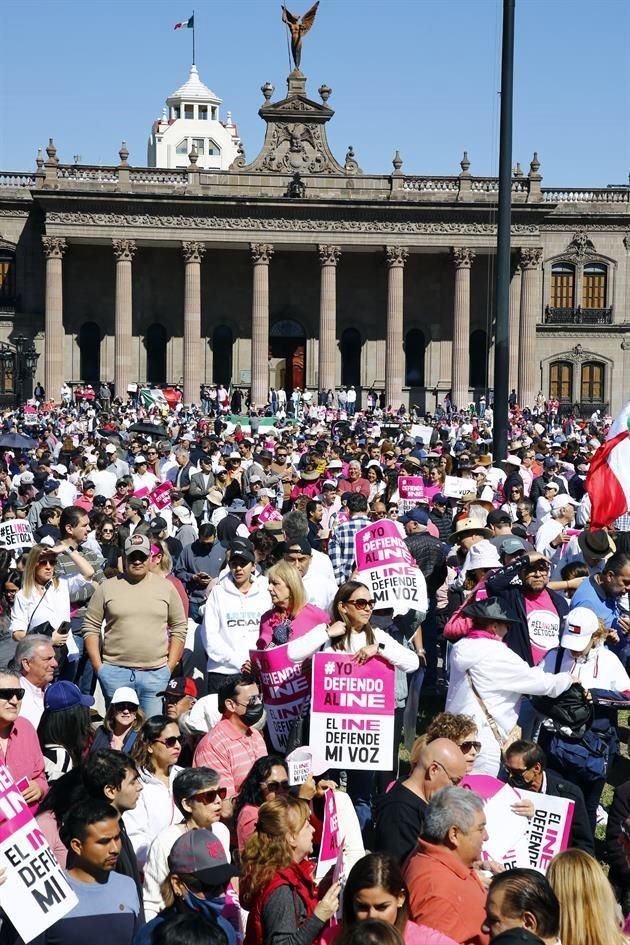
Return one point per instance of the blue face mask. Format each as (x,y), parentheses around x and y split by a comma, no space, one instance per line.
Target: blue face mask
(207,907)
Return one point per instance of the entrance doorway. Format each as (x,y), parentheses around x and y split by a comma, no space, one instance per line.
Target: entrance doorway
(287,362)
(90,349)
(155,343)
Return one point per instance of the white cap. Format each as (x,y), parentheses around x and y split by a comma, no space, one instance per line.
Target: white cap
(579,626)
(483,554)
(512,460)
(110,448)
(139,459)
(125,694)
(60,469)
(559,501)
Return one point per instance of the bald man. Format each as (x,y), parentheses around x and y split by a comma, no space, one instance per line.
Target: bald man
(400,813)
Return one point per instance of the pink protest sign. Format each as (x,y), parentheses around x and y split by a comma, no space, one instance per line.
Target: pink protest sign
(332,840)
(269,514)
(284,689)
(380,544)
(352,713)
(411,487)
(141,493)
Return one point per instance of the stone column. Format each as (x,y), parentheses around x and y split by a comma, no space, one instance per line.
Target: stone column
(515,324)
(394,355)
(54,248)
(460,364)
(124,252)
(329,257)
(261,257)
(528,366)
(193,254)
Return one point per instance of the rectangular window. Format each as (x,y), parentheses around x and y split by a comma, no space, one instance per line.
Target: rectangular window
(199,143)
(562,287)
(189,111)
(215,114)
(592,383)
(7,279)
(176,111)
(561,382)
(203,112)
(594,288)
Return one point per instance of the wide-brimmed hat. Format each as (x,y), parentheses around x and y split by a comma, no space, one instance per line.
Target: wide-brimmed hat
(488,610)
(237,507)
(469,526)
(512,460)
(482,555)
(311,476)
(597,544)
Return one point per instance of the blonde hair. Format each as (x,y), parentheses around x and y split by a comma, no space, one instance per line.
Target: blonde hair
(166,561)
(268,849)
(28,581)
(589,914)
(284,571)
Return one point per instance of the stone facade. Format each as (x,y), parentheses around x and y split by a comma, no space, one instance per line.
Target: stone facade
(297,269)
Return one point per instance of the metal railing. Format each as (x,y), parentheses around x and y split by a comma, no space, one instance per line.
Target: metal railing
(578,316)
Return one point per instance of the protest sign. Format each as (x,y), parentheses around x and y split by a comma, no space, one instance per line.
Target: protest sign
(380,544)
(16,533)
(160,497)
(141,493)
(269,514)
(300,765)
(410,491)
(332,841)
(548,832)
(454,487)
(284,689)
(352,713)
(421,432)
(35,893)
(387,568)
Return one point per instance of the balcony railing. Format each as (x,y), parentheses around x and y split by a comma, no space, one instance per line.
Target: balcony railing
(578,316)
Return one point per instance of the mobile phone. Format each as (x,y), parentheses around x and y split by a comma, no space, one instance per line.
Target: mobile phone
(64,627)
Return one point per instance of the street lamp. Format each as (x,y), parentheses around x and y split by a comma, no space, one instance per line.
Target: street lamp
(26,361)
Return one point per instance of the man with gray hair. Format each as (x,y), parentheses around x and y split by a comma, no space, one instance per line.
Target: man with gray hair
(445,891)
(34,661)
(552,535)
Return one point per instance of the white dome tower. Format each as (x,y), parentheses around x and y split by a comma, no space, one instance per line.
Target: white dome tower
(192,117)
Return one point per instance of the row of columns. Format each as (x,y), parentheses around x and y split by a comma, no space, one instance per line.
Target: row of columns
(524,303)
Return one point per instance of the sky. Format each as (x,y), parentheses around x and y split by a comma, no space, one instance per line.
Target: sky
(418,76)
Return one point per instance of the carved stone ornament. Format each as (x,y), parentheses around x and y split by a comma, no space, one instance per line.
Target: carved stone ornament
(54,246)
(310,225)
(463,257)
(625,344)
(351,165)
(531,257)
(296,188)
(329,255)
(294,146)
(193,252)
(396,256)
(124,250)
(239,160)
(580,246)
(261,253)
(626,241)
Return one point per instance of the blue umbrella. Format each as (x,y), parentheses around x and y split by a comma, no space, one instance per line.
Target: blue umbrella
(15,441)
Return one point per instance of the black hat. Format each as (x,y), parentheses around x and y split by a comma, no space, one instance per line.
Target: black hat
(157,524)
(498,517)
(300,542)
(597,544)
(488,610)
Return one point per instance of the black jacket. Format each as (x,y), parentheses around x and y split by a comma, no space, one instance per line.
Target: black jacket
(501,584)
(581,833)
(127,865)
(617,815)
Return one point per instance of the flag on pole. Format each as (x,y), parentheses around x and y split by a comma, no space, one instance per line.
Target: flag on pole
(608,480)
(186,24)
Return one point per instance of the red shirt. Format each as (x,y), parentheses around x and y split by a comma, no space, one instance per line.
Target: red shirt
(230,752)
(445,894)
(24,757)
(359,485)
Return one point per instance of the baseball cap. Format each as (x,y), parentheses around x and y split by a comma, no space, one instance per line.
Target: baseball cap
(125,694)
(158,524)
(200,853)
(50,486)
(579,626)
(440,499)
(110,448)
(138,543)
(559,501)
(88,484)
(180,686)
(329,484)
(498,517)
(63,695)
(135,503)
(27,478)
(139,459)
(549,462)
(240,551)
(300,544)
(60,469)
(511,546)
(421,516)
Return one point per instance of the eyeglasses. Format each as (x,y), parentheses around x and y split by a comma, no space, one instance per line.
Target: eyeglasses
(254,700)
(209,796)
(516,772)
(8,694)
(170,742)
(468,746)
(361,603)
(454,781)
(125,707)
(281,455)
(47,559)
(276,786)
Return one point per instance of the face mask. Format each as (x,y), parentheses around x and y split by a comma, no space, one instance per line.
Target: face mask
(212,908)
(253,714)
(518,781)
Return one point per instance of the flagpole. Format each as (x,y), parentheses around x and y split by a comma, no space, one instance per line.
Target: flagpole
(193,32)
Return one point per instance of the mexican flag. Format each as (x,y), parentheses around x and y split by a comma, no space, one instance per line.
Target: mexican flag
(186,24)
(608,480)
(152,397)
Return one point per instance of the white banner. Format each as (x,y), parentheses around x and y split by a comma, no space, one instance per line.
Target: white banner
(16,533)
(399,586)
(454,487)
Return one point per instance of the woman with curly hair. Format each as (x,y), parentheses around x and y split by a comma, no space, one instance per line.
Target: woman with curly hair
(277,877)
(589,913)
(461,729)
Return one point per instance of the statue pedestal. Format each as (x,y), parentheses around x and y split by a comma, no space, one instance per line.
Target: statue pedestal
(296,83)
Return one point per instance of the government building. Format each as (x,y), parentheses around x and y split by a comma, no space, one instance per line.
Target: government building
(293,268)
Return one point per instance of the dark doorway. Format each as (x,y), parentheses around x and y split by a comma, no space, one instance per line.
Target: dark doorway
(288,344)
(415,349)
(478,361)
(90,349)
(222,342)
(155,343)
(350,347)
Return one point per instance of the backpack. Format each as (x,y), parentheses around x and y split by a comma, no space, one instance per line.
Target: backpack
(571,710)
(588,756)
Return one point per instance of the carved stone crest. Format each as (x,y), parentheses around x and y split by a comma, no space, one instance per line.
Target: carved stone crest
(580,246)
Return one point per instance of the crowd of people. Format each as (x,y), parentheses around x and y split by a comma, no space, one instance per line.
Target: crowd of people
(165,546)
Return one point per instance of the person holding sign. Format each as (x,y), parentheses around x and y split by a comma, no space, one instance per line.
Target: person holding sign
(291,616)
(20,751)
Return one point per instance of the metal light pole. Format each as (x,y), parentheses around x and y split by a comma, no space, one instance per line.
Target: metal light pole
(26,358)
(502,283)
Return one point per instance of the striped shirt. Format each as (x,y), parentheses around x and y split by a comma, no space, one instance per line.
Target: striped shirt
(230,752)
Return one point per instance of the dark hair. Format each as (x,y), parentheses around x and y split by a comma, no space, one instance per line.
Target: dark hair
(532,753)
(107,767)
(81,816)
(229,689)
(69,728)
(375,869)
(371,932)
(191,780)
(357,503)
(526,890)
(574,569)
(207,530)
(251,790)
(70,518)
(188,930)
(63,794)
(616,562)
(344,593)
(149,733)
(47,514)
(311,507)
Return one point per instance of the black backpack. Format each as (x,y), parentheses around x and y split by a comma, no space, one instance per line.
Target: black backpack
(570,710)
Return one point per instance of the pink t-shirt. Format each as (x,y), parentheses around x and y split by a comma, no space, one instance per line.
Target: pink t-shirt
(413,935)
(543,624)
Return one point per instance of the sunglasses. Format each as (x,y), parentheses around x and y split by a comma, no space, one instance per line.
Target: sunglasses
(170,742)
(8,694)
(210,796)
(361,603)
(126,707)
(47,559)
(468,746)
(276,786)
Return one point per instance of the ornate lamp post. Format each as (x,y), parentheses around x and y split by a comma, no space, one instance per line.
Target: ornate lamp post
(26,358)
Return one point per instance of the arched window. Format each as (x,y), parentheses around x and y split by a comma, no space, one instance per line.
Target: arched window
(155,343)
(414,358)
(350,347)
(594,286)
(592,385)
(561,381)
(90,349)
(562,293)
(478,358)
(222,341)
(7,276)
